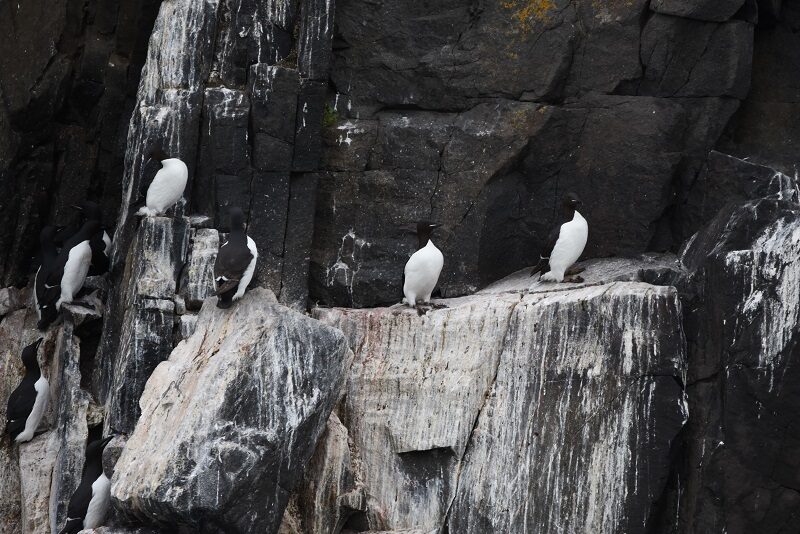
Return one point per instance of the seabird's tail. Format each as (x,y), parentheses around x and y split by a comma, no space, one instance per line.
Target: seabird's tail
(226,286)
(541,266)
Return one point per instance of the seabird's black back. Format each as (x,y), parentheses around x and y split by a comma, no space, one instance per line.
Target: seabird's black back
(232,260)
(79,502)
(22,399)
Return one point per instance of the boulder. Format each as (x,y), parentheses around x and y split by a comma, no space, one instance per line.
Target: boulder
(231,420)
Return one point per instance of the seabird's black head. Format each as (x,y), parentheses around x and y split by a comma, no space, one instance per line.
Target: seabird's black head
(89,210)
(94,451)
(572,201)
(47,235)
(89,228)
(29,358)
(156,152)
(236,216)
(424,230)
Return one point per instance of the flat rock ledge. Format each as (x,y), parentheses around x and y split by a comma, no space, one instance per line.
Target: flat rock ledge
(552,405)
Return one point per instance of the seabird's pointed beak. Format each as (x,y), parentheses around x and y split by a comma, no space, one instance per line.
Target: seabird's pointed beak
(76,207)
(38,342)
(409,228)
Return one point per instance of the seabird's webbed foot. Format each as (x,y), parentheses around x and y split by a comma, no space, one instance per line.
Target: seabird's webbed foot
(574,279)
(421,310)
(575,270)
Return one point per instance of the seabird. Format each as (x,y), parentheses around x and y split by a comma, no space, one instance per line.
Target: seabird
(163,182)
(28,402)
(235,263)
(100,242)
(422,268)
(565,244)
(48,254)
(89,503)
(69,271)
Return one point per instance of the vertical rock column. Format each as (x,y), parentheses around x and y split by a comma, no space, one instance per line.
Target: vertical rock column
(147,315)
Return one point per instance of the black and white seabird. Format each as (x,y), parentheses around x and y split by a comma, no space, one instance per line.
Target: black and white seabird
(423,267)
(235,263)
(100,242)
(28,402)
(163,182)
(69,270)
(89,503)
(565,243)
(47,254)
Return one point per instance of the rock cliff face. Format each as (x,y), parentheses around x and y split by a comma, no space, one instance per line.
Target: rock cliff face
(657,396)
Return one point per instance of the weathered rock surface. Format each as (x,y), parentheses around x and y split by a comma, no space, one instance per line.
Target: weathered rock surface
(231,419)
(739,471)
(138,328)
(580,385)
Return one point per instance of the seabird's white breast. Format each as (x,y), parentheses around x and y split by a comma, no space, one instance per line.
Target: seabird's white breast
(570,244)
(75,271)
(168,185)
(422,272)
(39,406)
(248,273)
(98,505)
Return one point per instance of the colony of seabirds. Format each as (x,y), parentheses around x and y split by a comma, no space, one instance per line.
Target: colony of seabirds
(70,254)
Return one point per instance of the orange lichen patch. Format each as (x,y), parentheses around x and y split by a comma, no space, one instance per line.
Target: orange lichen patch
(526,12)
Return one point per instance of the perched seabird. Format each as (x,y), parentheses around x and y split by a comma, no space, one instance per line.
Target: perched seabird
(100,242)
(565,244)
(89,503)
(47,254)
(235,263)
(28,402)
(69,270)
(163,182)
(422,268)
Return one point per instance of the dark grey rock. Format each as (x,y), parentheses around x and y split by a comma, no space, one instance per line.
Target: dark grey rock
(765,129)
(723,179)
(716,58)
(315,40)
(713,10)
(743,376)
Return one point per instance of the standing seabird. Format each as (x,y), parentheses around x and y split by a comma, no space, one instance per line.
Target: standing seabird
(28,402)
(235,263)
(565,244)
(163,182)
(422,268)
(89,503)
(100,242)
(69,270)
(47,254)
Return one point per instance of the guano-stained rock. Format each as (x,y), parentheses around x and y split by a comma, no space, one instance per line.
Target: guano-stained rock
(510,408)
(739,470)
(230,420)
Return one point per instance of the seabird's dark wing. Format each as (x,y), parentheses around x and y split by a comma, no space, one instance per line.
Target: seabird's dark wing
(99,259)
(230,265)
(78,505)
(20,405)
(149,172)
(544,258)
